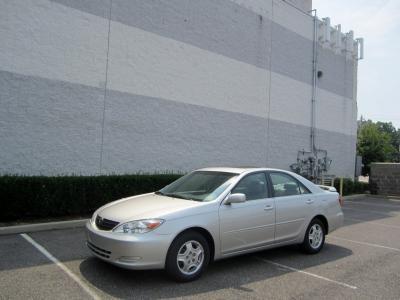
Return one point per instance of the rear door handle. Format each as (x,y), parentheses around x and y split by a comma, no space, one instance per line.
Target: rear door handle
(268,207)
(309,201)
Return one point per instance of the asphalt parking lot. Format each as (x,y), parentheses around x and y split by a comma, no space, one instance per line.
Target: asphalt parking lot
(359,261)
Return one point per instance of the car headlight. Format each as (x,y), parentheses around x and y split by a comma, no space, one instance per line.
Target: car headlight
(139,226)
(93,219)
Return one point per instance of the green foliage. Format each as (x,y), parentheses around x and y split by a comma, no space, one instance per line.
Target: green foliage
(27,197)
(376,142)
(351,187)
(394,136)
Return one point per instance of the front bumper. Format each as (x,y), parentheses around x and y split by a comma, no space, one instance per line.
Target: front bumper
(131,251)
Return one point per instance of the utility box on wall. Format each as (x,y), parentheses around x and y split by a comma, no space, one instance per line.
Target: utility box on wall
(385,178)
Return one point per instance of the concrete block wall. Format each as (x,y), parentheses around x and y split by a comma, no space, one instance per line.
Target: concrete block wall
(121,86)
(385,178)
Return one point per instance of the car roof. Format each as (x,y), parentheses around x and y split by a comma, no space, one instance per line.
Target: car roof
(237,170)
(240,170)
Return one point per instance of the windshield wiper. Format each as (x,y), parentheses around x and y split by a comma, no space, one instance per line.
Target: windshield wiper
(169,195)
(176,196)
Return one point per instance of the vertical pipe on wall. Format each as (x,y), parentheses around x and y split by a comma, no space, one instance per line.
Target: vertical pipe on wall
(314,90)
(269,81)
(105,90)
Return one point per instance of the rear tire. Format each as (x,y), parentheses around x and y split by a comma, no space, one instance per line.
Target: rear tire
(314,238)
(188,257)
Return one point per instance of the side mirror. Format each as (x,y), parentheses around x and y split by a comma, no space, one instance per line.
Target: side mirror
(235,198)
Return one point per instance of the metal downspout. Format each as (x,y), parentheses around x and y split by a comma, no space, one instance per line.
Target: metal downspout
(313,148)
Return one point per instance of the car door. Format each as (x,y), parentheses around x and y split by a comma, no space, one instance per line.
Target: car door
(249,224)
(293,203)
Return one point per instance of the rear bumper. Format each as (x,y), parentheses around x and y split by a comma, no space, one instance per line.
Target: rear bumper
(138,252)
(336,221)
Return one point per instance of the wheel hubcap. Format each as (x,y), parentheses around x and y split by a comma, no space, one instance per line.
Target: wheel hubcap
(190,257)
(315,236)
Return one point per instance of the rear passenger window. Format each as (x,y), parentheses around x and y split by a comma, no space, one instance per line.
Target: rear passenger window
(303,189)
(254,186)
(286,185)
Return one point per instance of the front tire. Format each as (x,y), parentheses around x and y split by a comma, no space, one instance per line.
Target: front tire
(188,257)
(314,238)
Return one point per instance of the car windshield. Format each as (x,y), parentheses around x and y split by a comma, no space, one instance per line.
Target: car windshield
(199,185)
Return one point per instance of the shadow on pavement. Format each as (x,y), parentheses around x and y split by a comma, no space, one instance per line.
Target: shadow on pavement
(230,273)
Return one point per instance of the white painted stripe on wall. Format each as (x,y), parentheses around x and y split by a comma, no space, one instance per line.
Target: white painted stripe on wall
(144,63)
(63,44)
(290,104)
(263,7)
(335,112)
(148,64)
(283,14)
(292,19)
(70,46)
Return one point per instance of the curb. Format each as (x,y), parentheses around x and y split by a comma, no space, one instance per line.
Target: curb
(356,196)
(385,196)
(42,226)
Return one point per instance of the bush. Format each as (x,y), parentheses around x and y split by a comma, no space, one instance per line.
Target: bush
(351,187)
(30,197)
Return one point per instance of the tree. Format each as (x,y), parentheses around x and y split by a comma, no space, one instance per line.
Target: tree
(394,138)
(374,144)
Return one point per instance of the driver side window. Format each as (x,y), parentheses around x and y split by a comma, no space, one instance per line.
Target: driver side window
(254,186)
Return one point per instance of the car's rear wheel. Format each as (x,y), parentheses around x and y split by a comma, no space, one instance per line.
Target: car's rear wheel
(314,238)
(188,256)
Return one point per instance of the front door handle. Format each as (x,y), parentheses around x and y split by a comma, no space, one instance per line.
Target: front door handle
(309,201)
(268,207)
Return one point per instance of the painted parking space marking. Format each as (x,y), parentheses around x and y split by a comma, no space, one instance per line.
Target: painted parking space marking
(306,273)
(363,243)
(59,264)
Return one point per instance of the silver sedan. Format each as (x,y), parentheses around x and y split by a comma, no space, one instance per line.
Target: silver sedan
(211,214)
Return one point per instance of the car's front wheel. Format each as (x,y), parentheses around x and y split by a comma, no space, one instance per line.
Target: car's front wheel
(314,238)
(188,256)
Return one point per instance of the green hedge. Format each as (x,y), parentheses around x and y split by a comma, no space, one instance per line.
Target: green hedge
(351,186)
(33,197)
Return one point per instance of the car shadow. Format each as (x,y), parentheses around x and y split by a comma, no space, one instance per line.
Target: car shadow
(233,273)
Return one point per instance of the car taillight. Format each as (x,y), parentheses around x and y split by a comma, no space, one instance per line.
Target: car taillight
(340,199)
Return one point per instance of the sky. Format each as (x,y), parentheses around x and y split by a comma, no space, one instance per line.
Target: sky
(378,22)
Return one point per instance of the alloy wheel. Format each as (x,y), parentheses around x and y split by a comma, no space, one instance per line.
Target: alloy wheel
(190,257)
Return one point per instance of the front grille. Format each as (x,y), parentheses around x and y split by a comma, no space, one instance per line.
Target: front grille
(105,224)
(99,251)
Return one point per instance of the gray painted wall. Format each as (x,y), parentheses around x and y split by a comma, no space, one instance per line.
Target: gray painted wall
(66,122)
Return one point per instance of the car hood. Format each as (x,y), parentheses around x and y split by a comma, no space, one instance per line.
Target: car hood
(144,207)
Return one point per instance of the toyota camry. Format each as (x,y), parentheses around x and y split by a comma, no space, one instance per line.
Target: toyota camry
(211,214)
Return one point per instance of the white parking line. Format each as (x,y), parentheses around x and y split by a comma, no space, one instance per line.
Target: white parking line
(306,273)
(363,243)
(59,264)
(372,222)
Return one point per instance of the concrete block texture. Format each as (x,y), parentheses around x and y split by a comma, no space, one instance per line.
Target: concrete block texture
(48,127)
(385,178)
(120,86)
